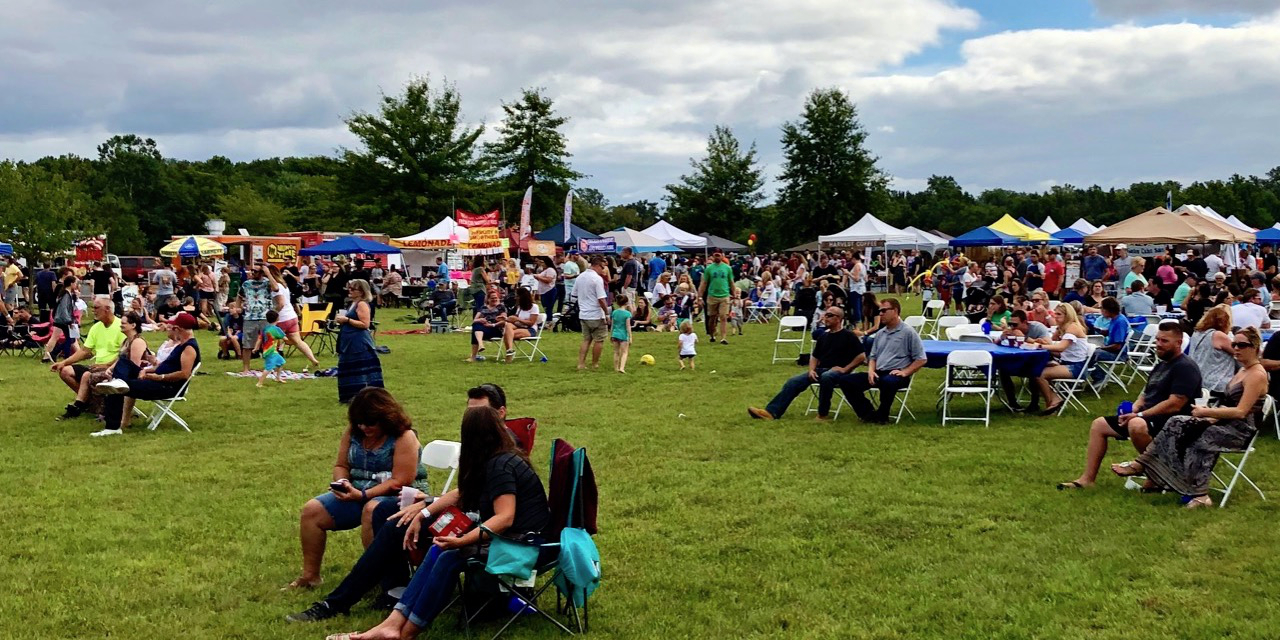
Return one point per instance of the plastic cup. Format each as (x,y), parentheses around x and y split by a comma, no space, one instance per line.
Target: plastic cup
(407,496)
(1202,402)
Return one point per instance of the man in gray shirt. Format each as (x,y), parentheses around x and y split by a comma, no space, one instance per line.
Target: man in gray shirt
(1120,260)
(1137,303)
(896,355)
(165,280)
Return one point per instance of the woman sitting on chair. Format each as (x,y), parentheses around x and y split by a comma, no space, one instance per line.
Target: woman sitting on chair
(494,479)
(524,324)
(1070,345)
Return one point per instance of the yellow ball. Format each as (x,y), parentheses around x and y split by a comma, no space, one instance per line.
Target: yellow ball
(646,359)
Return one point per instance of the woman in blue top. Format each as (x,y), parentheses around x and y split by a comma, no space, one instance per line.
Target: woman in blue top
(378,454)
(358,364)
(165,381)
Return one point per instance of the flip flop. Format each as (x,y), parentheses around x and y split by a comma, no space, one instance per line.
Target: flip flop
(1062,486)
(340,636)
(1128,466)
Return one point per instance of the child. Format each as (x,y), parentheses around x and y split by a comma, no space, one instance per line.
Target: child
(688,339)
(272,360)
(229,343)
(621,320)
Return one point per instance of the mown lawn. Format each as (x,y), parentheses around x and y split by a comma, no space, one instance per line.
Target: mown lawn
(711,524)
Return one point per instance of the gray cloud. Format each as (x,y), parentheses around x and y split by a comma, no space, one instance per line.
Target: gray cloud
(1138,8)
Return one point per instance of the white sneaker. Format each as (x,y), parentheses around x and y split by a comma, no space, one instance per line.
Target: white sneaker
(106,432)
(112,387)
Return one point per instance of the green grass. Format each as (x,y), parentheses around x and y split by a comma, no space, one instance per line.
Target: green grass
(711,524)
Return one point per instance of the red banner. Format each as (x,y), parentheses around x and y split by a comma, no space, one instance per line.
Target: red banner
(470,220)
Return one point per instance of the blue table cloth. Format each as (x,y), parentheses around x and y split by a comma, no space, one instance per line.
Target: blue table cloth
(1020,363)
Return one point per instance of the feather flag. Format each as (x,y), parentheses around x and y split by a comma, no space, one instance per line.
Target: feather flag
(525,206)
(568,214)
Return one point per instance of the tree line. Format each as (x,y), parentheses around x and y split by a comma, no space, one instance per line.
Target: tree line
(418,159)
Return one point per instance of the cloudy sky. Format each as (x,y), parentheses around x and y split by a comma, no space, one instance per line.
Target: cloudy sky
(998,93)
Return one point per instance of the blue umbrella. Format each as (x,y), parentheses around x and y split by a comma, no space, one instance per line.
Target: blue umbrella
(984,237)
(347,245)
(6,249)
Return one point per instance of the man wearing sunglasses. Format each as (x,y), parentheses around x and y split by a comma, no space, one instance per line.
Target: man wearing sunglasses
(895,356)
(1018,326)
(835,355)
(1173,382)
(1250,312)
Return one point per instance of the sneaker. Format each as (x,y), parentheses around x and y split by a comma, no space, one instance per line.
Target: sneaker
(106,432)
(73,410)
(112,387)
(759,414)
(724,342)
(316,612)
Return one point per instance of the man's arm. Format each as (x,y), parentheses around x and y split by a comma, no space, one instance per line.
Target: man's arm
(853,364)
(1170,406)
(912,368)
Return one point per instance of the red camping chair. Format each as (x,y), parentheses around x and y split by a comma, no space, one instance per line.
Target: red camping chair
(524,429)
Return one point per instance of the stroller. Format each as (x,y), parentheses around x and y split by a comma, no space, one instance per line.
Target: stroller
(567,319)
(975,301)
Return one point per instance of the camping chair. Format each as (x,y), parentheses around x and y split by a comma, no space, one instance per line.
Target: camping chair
(164,407)
(837,393)
(312,319)
(1237,471)
(979,371)
(790,324)
(1068,387)
(524,429)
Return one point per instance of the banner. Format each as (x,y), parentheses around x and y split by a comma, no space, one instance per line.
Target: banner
(597,245)
(525,228)
(472,220)
(568,214)
(542,248)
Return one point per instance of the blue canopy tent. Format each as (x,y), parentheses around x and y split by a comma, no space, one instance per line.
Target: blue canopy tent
(984,237)
(556,234)
(1270,235)
(1029,223)
(6,249)
(347,245)
(1076,236)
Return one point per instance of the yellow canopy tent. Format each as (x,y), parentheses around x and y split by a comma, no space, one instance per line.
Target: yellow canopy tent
(1007,225)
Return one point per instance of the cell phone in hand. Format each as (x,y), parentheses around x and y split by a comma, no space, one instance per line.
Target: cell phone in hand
(338,485)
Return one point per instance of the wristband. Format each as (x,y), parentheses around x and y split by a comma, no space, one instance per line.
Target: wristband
(364,495)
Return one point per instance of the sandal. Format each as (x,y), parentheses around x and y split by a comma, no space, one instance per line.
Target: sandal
(1051,409)
(1132,467)
(1199,502)
(1074,484)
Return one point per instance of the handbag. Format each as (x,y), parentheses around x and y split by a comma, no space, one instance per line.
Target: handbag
(510,557)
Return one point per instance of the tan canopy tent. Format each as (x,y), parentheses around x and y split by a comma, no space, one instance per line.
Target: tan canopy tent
(1161,226)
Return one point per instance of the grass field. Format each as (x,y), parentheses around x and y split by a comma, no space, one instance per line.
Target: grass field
(711,524)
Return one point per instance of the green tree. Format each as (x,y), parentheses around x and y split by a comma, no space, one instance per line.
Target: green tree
(164,199)
(829,178)
(41,214)
(418,159)
(723,190)
(243,207)
(531,152)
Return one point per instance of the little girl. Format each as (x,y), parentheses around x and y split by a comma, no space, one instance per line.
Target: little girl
(688,340)
(621,319)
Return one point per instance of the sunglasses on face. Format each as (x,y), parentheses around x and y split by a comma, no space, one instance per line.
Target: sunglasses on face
(1241,345)
(830,315)
(883,311)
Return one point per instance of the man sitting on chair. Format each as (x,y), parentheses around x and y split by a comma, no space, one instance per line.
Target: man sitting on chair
(1173,383)
(895,356)
(835,355)
(165,381)
(1018,326)
(1117,339)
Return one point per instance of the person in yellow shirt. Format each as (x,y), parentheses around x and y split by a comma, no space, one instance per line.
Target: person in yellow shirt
(102,345)
(12,274)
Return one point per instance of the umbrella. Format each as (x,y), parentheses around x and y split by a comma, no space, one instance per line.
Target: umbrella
(346,245)
(192,247)
(6,249)
(716,243)
(639,241)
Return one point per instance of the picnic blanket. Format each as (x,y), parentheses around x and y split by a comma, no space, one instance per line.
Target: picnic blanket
(284,375)
(403,332)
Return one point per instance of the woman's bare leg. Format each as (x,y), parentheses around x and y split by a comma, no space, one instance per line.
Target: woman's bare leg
(296,340)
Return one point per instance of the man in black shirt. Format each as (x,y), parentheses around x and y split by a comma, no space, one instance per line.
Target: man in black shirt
(835,355)
(825,270)
(1159,295)
(104,279)
(1172,385)
(1269,263)
(1271,362)
(1195,264)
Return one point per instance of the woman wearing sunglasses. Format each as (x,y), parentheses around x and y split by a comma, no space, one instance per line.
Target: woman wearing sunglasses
(1183,454)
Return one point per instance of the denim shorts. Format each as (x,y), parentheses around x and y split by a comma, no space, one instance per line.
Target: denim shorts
(1074,367)
(346,514)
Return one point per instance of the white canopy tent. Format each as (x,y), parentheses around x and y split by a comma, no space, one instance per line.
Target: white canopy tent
(639,241)
(1229,253)
(420,250)
(869,231)
(1083,226)
(672,234)
(1050,226)
(1239,224)
(924,241)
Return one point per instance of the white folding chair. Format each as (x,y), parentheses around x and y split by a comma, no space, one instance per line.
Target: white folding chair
(1067,387)
(1053,304)
(762,313)
(1269,409)
(947,322)
(164,407)
(837,398)
(1110,371)
(978,370)
(933,310)
(530,348)
(917,323)
(900,397)
(789,324)
(443,455)
(1237,472)
(1142,353)
(976,338)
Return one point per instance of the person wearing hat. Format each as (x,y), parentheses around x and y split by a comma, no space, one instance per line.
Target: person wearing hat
(163,381)
(1120,262)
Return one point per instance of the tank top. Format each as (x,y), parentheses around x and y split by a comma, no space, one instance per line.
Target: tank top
(1216,366)
(371,467)
(288,312)
(1076,351)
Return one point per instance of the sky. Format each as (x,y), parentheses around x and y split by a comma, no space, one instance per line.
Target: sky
(997,93)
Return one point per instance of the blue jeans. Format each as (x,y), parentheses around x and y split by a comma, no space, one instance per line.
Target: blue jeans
(1103,356)
(856,385)
(429,590)
(855,308)
(828,380)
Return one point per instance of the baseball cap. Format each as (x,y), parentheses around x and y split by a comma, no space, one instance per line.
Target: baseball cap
(1122,246)
(183,320)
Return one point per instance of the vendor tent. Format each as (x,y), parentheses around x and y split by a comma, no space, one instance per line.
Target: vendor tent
(1050,226)
(1008,226)
(1084,226)
(944,236)
(984,237)
(924,241)
(807,247)
(869,231)
(347,245)
(671,234)
(446,234)
(555,234)
(716,243)
(6,249)
(1027,223)
(639,241)
(1070,236)
(1238,223)
(1161,226)
(1270,235)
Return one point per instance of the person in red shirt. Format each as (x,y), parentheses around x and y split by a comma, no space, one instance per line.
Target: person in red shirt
(1054,274)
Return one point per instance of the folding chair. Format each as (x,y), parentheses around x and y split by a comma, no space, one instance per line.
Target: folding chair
(1237,472)
(1067,387)
(529,348)
(900,398)
(164,407)
(1053,304)
(918,323)
(1269,408)
(442,455)
(947,322)
(979,370)
(790,324)
(1142,353)
(1110,371)
(837,394)
(933,310)
(955,333)
(976,338)
(763,313)
(312,319)
(524,429)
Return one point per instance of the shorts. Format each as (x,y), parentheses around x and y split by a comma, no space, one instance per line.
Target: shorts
(252,329)
(1154,425)
(717,307)
(346,514)
(273,362)
(688,356)
(80,371)
(288,326)
(1074,367)
(630,293)
(594,330)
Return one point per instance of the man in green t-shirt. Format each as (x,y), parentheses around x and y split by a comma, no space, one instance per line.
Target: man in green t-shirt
(102,344)
(717,289)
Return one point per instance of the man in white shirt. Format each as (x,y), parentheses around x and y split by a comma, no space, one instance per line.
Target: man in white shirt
(1250,313)
(1213,262)
(593,311)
